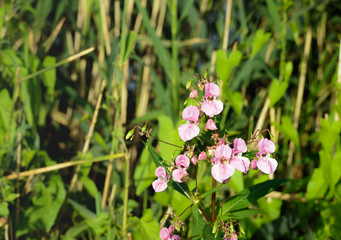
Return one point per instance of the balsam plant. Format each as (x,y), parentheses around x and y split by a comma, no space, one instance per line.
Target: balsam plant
(206,143)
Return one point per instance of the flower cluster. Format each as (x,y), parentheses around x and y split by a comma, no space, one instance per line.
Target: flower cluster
(168,234)
(223,157)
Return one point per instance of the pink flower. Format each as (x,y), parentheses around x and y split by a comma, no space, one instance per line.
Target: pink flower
(191,113)
(193,94)
(202,155)
(179,174)
(254,164)
(266,146)
(182,161)
(265,163)
(210,125)
(168,234)
(211,90)
(239,145)
(211,106)
(222,170)
(160,184)
(240,163)
(190,129)
(223,151)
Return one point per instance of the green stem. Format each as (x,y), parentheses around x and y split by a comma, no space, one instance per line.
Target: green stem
(125,197)
(175,70)
(214,184)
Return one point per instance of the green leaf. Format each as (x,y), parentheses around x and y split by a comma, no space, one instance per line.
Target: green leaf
(146,227)
(209,192)
(90,186)
(129,45)
(49,77)
(240,214)
(259,40)
(4,209)
(6,105)
(82,210)
(46,203)
(168,133)
(248,196)
(277,90)
(236,100)
(317,186)
(99,139)
(288,129)
(75,230)
(144,174)
(224,64)
(274,15)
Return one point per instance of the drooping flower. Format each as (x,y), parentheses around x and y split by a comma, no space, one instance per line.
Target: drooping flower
(182,162)
(210,125)
(254,164)
(240,163)
(221,170)
(211,106)
(168,234)
(190,129)
(160,184)
(265,163)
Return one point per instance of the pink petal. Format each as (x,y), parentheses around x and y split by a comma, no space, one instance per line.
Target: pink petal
(164,234)
(182,161)
(242,164)
(178,174)
(159,185)
(160,172)
(221,172)
(202,155)
(254,164)
(267,165)
(212,108)
(194,160)
(171,229)
(193,94)
(188,131)
(210,125)
(191,113)
(211,89)
(223,151)
(266,146)
(239,145)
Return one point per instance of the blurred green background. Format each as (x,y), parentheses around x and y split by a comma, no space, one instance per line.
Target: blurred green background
(76,76)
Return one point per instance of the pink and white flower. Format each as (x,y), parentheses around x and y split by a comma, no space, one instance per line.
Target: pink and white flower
(211,106)
(240,163)
(222,171)
(160,184)
(190,129)
(265,163)
(182,162)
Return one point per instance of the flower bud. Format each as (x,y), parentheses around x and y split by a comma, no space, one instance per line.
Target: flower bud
(193,94)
